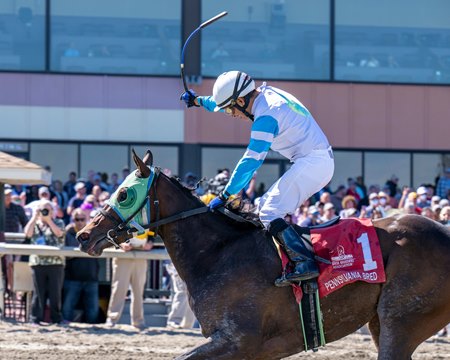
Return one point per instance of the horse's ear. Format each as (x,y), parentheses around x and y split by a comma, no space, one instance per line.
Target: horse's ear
(144,171)
(148,158)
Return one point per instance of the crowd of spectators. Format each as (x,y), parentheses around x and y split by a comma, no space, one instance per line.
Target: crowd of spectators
(354,199)
(53,215)
(67,289)
(375,201)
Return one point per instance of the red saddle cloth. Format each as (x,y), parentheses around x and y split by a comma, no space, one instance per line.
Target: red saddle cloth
(353,249)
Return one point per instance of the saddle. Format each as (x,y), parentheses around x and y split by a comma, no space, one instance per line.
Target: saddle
(309,303)
(305,231)
(253,219)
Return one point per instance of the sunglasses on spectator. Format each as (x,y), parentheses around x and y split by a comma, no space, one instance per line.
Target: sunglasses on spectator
(80,219)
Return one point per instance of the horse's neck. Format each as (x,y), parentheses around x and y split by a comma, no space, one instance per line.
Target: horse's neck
(188,243)
(181,237)
(195,243)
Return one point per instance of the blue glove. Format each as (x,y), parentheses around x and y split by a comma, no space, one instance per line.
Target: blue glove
(189,97)
(217,202)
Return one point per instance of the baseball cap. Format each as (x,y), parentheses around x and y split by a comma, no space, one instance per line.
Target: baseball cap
(328,206)
(436,208)
(312,210)
(373,196)
(79,185)
(436,198)
(8,191)
(421,190)
(444,202)
(190,174)
(43,190)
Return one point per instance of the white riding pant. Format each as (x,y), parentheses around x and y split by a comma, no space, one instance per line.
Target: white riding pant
(306,176)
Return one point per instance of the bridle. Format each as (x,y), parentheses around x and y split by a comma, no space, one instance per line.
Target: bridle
(124,224)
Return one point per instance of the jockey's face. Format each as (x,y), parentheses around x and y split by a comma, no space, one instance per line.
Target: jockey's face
(234,111)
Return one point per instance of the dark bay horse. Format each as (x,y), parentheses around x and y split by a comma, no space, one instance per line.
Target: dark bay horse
(230,268)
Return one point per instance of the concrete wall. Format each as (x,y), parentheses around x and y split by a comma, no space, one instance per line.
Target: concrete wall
(352,115)
(93,108)
(103,108)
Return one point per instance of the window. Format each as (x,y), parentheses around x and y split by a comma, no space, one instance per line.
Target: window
(426,168)
(346,164)
(22,35)
(105,36)
(165,157)
(62,158)
(267,174)
(381,166)
(392,41)
(219,158)
(103,158)
(278,40)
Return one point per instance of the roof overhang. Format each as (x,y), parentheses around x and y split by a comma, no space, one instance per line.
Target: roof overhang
(14,170)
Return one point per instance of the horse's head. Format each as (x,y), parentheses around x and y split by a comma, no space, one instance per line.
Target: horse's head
(127,210)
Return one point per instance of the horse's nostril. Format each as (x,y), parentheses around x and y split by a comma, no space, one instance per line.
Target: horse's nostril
(84,236)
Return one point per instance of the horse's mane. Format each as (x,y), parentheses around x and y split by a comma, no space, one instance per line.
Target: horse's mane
(190,194)
(188,191)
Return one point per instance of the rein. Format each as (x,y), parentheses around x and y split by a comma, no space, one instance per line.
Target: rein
(112,234)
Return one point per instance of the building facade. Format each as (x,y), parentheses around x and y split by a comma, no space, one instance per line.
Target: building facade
(84,82)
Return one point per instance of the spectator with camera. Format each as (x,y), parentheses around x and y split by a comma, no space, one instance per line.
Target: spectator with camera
(81,276)
(47,271)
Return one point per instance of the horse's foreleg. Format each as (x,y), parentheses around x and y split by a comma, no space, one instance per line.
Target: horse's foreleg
(374,328)
(216,347)
(393,345)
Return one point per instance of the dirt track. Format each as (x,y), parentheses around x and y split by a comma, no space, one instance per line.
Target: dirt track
(81,341)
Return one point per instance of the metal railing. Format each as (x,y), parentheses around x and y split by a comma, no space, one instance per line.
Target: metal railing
(13,248)
(154,283)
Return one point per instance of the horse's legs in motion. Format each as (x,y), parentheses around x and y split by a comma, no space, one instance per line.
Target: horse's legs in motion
(393,344)
(374,328)
(217,347)
(243,348)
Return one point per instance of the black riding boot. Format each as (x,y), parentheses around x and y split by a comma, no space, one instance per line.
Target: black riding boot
(302,257)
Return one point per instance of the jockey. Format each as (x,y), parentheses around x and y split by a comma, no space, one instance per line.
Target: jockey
(281,123)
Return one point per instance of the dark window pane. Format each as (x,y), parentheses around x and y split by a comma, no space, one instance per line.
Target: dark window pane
(427,168)
(393,41)
(166,156)
(62,158)
(278,40)
(347,164)
(22,35)
(382,166)
(102,158)
(113,37)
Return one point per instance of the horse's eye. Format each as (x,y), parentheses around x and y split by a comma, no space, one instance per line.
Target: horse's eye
(126,197)
(122,195)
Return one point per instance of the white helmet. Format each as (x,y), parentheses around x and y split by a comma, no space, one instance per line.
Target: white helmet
(229,86)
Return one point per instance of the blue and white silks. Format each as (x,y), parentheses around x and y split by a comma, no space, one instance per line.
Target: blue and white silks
(282,123)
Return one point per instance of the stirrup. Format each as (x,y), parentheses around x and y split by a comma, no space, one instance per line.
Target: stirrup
(296,277)
(286,280)
(282,281)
